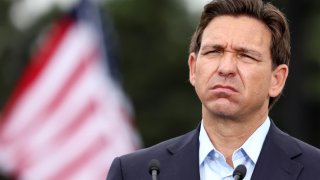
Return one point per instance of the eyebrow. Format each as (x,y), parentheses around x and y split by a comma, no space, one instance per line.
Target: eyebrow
(237,49)
(214,46)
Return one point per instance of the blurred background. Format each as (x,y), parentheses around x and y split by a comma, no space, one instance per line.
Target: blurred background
(151,49)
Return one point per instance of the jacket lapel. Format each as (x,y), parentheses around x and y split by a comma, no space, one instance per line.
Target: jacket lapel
(185,157)
(276,160)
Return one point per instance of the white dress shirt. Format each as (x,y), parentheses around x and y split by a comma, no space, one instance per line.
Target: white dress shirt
(212,163)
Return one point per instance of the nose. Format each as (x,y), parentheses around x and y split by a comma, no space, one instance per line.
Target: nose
(227,65)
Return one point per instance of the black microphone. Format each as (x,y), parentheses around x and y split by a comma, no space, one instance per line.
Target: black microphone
(154,168)
(239,172)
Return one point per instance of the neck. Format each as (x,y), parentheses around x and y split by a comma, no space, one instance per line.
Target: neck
(227,135)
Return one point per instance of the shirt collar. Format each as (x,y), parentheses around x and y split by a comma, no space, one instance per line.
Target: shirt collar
(205,146)
(252,145)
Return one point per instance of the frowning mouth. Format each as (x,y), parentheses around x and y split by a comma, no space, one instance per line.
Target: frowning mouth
(220,87)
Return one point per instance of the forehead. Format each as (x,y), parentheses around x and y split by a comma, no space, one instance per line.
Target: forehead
(237,31)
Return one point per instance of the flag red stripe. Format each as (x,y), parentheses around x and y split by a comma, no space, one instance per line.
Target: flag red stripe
(72,167)
(61,137)
(84,63)
(49,110)
(33,141)
(76,123)
(37,64)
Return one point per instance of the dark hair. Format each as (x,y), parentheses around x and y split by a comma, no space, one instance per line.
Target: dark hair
(268,14)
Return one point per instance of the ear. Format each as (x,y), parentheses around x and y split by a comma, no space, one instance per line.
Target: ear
(278,80)
(192,67)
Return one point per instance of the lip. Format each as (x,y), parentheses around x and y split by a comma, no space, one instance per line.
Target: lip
(224,88)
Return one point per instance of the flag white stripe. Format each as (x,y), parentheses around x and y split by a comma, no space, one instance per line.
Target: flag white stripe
(52,142)
(77,41)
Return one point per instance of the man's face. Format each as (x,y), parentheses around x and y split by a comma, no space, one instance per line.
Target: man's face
(232,73)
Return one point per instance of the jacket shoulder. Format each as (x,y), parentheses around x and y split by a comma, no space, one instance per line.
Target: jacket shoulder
(135,165)
(295,147)
(164,148)
(308,150)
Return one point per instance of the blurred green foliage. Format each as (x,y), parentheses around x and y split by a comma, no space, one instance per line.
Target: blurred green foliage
(154,38)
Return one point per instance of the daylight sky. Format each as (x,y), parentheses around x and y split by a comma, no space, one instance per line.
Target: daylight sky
(24,13)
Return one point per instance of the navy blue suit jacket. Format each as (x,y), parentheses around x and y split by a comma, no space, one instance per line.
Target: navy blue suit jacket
(282,157)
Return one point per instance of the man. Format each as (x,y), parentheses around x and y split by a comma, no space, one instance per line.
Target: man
(238,63)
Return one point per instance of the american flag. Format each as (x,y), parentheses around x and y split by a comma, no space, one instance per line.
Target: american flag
(67,117)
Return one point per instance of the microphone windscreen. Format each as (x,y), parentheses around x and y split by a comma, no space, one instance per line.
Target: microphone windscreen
(240,170)
(154,164)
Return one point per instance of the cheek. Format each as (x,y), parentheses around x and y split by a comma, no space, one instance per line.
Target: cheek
(262,86)
(257,81)
(205,69)
(204,73)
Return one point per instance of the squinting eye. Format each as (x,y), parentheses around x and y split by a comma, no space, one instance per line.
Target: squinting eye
(242,55)
(213,52)
(245,56)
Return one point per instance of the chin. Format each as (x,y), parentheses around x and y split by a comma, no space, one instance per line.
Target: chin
(224,114)
(223,111)
(222,107)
